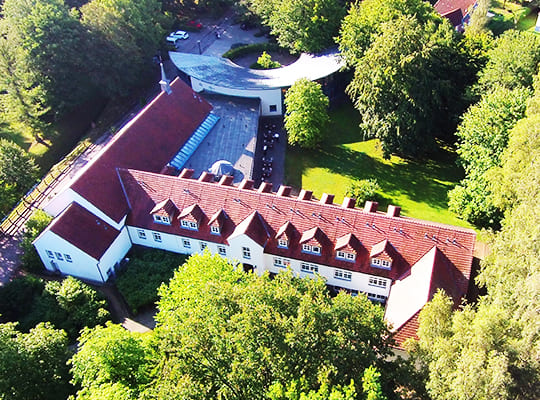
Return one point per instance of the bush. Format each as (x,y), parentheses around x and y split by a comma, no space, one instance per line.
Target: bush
(250,48)
(18,296)
(144,274)
(37,223)
(363,190)
(265,62)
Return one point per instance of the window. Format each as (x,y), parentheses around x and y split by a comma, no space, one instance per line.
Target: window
(203,245)
(377,282)
(273,108)
(50,253)
(214,230)
(342,255)
(376,297)
(283,243)
(309,268)
(59,256)
(281,262)
(68,258)
(157,237)
(186,243)
(162,220)
(246,252)
(307,248)
(343,275)
(189,225)
(141,234)
(378,263)
(222,250)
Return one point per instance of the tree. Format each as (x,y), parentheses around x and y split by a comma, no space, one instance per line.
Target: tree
(224,332)
(111,363)
(16,166)
(33,365)
(483,136)
(513,62)
(306,113)
(36,224)
(124,37)
(363,190)
(478,23)
(301,25)
(371,384)
(407,87)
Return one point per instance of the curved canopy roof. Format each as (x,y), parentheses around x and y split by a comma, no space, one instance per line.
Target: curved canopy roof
(222,72)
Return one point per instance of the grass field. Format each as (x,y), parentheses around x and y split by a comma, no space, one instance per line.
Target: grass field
(419,188)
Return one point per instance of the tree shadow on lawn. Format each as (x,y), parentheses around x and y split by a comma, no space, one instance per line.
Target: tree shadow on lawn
(425,181)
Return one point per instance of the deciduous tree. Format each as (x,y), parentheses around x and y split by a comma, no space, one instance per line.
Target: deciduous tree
(16,166)
(306,115)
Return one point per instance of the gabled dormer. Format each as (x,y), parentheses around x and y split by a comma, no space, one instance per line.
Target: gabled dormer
(164,212)
(312,241)
(382,255)
(217,222)
(190,217)
(347,248)
(285,235)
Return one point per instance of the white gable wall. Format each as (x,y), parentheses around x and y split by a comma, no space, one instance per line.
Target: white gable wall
(256,252)
(115,253)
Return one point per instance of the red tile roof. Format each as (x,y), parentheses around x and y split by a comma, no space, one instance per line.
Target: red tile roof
(411,238)
(454,10)
(147,142)
(84,230)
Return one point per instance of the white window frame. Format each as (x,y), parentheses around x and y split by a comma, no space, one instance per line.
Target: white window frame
(342,275)
(309,268)
(307,248)
(281,262)
(68,258)
(377,282)
(50,253)
(222,250)
(141,234)
(59,256)
(203,245)
(379,263)
(345,256)
(189,225)
(283,243)
(186,243)
(162,219)
(246,253)
(215,230)
(157,237)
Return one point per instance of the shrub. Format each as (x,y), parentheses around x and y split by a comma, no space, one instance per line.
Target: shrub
(265,62)
(144,274)
(363,190)
(250,48)
(18,296)
(37,223)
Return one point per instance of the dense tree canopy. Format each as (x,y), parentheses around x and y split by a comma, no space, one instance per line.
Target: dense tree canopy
(16,166)
(301,25)
(33,365)
(306,115)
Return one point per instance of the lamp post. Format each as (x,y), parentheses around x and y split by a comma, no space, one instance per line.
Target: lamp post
(199,44)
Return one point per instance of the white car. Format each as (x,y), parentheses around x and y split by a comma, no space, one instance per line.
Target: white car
(175,36)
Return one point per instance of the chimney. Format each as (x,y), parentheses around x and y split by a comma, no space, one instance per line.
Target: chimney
(371,206)
(266,187)
(246,184)
(348,202)
(164,82)
(284,191)
(305,195)
(327,199)
(206,177)
(186,173)
(226,180)
(393,211)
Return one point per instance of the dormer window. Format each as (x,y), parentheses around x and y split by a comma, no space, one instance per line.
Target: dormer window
(308,248)
(189,225)
(379,263)
(283,243)
(346,256)
(214,230)
(162,219)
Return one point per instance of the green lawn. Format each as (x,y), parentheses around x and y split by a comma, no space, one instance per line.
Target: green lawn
(419,188)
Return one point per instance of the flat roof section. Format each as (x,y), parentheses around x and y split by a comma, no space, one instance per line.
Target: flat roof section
(222,72)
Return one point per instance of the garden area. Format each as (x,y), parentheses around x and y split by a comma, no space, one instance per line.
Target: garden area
(418,187)
(511,14)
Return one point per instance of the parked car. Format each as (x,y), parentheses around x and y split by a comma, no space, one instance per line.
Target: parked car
(175,36)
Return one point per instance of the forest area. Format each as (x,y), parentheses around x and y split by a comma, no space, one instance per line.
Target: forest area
(224,334)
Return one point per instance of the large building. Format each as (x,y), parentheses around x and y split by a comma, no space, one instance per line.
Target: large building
(128,195)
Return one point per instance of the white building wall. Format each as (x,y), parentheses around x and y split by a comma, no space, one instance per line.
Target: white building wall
(68,196)
(236,245)
(115,253)
(269,97)
(81,265)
